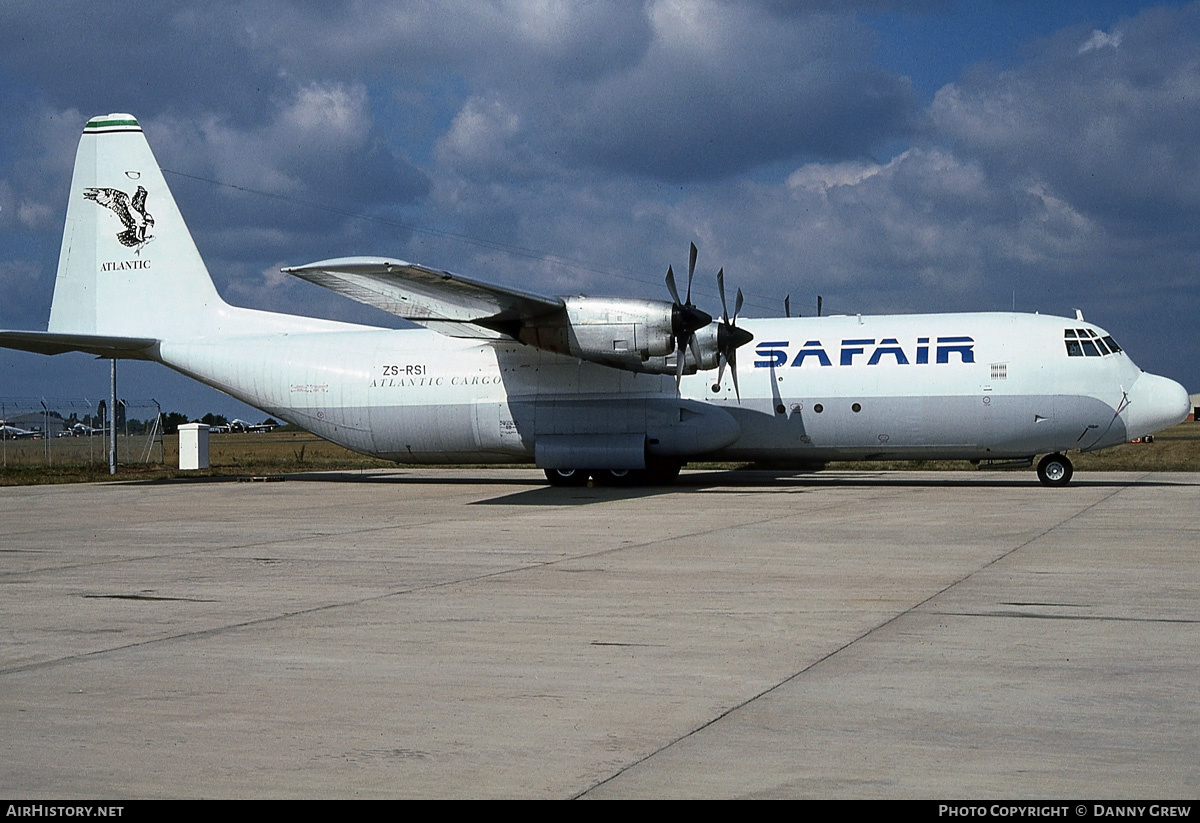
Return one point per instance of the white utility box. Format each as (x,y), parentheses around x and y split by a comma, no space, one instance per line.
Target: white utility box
(193,446)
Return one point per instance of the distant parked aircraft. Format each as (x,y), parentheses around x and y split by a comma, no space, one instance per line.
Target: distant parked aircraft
(79,430)
(242,426)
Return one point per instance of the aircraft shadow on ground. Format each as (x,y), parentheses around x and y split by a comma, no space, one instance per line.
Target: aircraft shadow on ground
(739,483)
(689,483)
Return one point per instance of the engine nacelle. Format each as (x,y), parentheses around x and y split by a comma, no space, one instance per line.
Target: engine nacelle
(610,330)
(706,342)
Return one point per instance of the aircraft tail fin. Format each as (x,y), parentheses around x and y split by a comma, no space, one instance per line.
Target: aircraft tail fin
(128,265)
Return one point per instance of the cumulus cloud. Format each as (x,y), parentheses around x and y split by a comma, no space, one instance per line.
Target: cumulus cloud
(1111,130)
(322,143)
(1068,179)
(1055,182)
(824,176)
(484,140)
(34,215)
(1100,40)
(40,151)
(693,103)
(296,182)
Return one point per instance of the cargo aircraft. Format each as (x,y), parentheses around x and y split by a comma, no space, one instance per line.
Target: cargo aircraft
(615,390)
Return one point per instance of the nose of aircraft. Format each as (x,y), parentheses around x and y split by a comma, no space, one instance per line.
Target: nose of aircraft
(1155,403)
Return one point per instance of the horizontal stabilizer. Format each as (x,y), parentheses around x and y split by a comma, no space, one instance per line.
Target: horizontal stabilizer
(431,297)
(44,342)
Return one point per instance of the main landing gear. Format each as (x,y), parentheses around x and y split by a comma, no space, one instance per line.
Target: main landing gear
(567,477)
(656,473)
(1055,470)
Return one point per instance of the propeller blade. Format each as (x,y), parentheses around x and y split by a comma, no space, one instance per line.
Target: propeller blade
(721,289)
(691,271)
(679,358)
(737,306)
(818,305)
(787,306)
(733,373)
(671,285)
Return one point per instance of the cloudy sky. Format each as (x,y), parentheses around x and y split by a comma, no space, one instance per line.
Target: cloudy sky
(890,156)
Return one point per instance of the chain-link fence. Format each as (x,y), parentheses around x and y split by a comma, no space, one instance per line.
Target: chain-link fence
(49,431)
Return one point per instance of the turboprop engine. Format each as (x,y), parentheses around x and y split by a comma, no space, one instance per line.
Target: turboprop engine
(627,333)
(645,335)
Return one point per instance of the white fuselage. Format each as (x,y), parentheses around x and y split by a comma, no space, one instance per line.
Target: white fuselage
(967,386)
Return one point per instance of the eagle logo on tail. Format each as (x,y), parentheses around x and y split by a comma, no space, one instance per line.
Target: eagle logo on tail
(130,210)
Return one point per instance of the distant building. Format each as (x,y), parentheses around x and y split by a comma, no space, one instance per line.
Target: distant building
(37,421)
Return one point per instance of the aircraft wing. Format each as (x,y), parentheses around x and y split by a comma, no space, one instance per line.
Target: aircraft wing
(445,302)
(44,342)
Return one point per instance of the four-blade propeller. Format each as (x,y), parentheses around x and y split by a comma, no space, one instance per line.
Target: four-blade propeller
(729,336)
(686,320)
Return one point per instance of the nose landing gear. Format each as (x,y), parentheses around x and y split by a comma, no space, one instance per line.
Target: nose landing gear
(1055,470)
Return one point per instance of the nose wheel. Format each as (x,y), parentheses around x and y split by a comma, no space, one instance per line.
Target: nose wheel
(1055,470)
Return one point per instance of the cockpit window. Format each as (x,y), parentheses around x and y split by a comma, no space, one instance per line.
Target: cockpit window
(1087,343)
